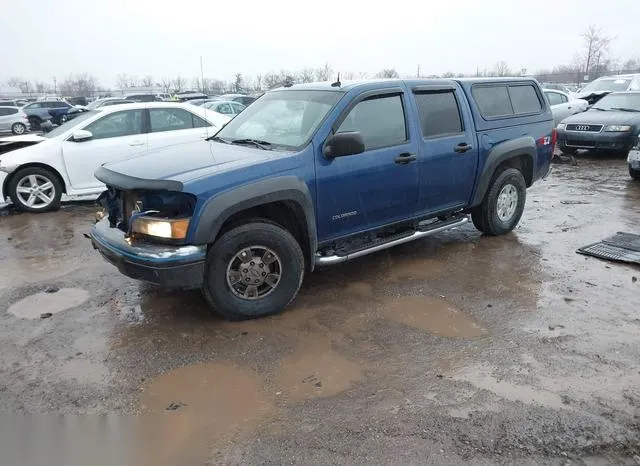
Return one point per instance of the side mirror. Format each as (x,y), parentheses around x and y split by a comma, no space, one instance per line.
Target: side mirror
(81,135)
(341,144)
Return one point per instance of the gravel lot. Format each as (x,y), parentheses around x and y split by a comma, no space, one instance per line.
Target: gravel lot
(457,348)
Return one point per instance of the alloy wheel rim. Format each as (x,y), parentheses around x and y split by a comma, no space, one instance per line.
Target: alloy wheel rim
(507,202)
(254,272)
(36,191)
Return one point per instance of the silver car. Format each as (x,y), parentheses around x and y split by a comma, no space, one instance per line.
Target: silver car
(14,120)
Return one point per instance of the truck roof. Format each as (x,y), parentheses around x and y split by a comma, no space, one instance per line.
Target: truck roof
(346,86)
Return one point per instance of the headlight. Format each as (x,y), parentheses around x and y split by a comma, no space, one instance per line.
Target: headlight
(618,128)
(161,227)
(561,126)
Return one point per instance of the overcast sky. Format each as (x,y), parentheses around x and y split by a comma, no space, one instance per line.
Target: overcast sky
(45,38)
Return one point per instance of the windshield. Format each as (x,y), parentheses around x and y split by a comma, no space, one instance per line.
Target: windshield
(285,119)
(619,101)
(70,124)
(612,85)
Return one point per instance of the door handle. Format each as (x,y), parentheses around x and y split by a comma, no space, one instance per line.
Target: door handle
(462,148)
(405,158)
(137,143)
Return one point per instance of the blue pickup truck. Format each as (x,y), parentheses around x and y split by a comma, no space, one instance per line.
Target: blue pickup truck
(317,174)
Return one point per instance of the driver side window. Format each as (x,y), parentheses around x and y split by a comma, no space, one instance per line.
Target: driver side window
(125,123)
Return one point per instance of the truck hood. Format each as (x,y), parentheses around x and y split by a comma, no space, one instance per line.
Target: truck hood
(610,117)
(186,162)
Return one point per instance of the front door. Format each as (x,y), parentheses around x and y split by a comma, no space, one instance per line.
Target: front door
(447,148)
(172,125)
(116,136)
(378,186)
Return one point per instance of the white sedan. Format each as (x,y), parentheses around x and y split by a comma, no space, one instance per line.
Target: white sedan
(563,106)
(43,169)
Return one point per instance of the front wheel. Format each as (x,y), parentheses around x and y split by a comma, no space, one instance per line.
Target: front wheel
(635,174)
(35,189)
(253,270)
(503,204)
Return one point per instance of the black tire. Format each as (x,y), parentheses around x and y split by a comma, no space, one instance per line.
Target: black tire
(258,233)
(635,174)
(42,175)
(485,216)
(18,128)
(35,122)
(568,150)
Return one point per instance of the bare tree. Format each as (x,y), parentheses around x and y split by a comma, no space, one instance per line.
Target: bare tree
(448,74)
(596,46)
(40,87)
(165,83)
(501,69)
(179,83)
(147,81)
(388,73)
(258,86)
(237,82)
(324,73)
(306,75)
(15,82)
(81,85)
(122,81)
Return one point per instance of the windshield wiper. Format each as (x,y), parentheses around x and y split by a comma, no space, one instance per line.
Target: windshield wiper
(217,139)
(599,108)
(264,145)
(623,109)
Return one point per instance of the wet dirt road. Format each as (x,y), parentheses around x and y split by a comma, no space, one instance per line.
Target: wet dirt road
(456,348)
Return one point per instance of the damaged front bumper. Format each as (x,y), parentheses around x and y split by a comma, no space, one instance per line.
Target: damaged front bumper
(171,266)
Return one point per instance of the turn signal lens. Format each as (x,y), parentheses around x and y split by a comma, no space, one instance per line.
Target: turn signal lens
(161,228)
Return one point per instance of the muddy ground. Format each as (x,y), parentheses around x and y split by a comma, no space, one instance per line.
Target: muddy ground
(457,348)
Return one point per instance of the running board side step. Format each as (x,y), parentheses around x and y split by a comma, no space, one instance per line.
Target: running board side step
(437,228)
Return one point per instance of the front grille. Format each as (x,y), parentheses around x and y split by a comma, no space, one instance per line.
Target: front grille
(585,128)
(581,143)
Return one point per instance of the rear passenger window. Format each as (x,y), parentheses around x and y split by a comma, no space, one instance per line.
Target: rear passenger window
(439,113)
(380,121)
(524,99)
(493,101)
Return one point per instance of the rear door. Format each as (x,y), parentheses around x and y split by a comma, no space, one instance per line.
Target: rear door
(171,125)
(7,117)
(448,153)
(116,136)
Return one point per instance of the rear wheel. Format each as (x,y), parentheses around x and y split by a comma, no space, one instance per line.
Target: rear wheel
(35,189)
(635,174)
(18,128)
(503,204)
(253,270)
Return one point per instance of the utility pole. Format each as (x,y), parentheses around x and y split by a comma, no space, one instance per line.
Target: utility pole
(418,75)
(55,87)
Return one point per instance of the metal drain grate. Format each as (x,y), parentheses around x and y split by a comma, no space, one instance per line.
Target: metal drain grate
(622,247)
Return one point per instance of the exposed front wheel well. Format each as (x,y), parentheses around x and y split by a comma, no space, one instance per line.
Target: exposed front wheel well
(287,214)
(7,181)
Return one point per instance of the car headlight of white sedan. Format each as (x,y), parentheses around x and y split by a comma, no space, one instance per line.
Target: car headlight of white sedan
(561,126)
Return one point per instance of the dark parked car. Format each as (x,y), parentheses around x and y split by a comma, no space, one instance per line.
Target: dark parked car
(47,110)
(108,101)
(142,97)
(245,100)
(612,125)
(77,100)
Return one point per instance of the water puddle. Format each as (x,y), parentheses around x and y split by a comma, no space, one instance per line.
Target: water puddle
(315,370)
(193,409)
(481,377)
(415,269)
(434,315)
(35,305)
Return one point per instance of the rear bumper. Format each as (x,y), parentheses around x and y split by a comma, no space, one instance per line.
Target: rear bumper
(610,141)
(171,266)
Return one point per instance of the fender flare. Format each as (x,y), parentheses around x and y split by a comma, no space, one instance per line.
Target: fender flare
(522,146)
(282,188)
